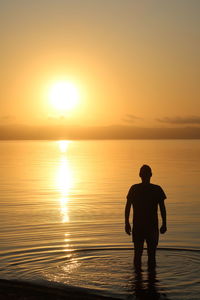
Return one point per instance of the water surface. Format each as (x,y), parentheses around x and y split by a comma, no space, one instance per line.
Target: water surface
(59,198)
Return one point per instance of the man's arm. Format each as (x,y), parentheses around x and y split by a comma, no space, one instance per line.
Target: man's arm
(127,213)
(163,228)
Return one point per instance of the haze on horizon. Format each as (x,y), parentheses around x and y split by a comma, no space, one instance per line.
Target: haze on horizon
(135,65)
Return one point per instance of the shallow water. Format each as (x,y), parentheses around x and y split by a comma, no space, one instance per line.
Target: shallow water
(114,274)
(110,272)
(60,198)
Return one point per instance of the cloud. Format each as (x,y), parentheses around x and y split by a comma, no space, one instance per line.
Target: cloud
(180,120)
(129,118)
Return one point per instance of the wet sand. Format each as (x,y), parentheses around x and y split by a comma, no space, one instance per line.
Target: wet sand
(17,290)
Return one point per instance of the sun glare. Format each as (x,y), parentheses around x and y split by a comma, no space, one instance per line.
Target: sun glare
(63,145)
(64,95)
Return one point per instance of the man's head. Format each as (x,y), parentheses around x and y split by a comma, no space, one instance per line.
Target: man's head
(145,172)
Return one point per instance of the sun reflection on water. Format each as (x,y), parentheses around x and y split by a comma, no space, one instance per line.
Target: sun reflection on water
(64,180)
(64,210)
(67,242)
(63,145)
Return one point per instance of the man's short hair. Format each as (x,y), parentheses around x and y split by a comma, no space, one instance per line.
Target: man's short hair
(145,170)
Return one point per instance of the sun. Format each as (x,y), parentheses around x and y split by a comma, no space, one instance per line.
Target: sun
(64,95)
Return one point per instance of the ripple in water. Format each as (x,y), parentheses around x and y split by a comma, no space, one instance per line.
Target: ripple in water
(111,273)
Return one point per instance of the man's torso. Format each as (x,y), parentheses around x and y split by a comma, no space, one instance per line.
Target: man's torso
(145,199)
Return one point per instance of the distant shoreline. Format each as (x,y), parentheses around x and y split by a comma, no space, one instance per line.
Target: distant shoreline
(99,139)
(113,132)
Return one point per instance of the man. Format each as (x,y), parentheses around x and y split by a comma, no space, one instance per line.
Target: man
(145,198)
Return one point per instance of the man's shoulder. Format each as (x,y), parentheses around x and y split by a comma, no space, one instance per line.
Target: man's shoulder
(155,186)
(133,191)
(135,186)
(158,190)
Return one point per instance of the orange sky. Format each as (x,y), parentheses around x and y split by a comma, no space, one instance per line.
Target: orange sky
(133,62)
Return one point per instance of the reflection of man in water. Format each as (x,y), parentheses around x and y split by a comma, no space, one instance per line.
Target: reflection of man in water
(145,198)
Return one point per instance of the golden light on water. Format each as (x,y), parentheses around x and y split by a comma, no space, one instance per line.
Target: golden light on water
(64,210)
(63,145)
(64,181)
(64,177)
(64,95)
(67,241)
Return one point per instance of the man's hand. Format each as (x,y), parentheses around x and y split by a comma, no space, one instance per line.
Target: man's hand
(163,229)
(128,228)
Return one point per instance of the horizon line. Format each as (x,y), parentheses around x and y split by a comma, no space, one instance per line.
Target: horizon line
(96,139)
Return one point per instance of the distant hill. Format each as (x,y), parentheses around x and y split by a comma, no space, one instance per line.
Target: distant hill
(22,132)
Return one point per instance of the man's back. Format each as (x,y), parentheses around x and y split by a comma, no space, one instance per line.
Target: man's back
(145,199)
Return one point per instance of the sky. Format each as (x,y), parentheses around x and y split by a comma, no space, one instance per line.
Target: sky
(133,63)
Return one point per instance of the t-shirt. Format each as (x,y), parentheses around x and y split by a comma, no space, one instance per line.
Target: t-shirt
(145,199)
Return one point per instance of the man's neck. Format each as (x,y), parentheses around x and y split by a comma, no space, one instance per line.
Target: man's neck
(145,181)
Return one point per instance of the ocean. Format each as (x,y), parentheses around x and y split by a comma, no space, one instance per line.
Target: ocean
(62,215)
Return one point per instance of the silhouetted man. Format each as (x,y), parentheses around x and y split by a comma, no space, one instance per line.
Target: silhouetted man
(145,198)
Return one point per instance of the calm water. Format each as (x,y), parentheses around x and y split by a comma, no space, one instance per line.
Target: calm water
(62,208)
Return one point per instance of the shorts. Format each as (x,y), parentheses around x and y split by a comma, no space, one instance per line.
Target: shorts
(150,236)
